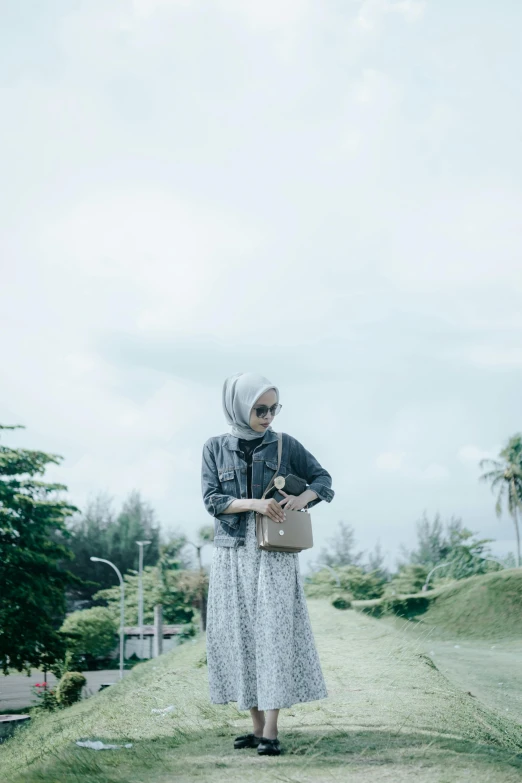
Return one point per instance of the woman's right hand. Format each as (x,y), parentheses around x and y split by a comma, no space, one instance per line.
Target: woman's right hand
(270,508)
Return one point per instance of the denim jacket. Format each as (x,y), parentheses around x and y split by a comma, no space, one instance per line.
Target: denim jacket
(224,478)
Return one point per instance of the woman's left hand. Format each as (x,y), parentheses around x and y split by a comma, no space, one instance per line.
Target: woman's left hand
(291,502)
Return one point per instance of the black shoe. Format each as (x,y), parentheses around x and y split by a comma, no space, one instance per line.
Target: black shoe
(269,747)
(247,741)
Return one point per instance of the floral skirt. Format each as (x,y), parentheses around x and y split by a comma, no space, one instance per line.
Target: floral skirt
(260,646)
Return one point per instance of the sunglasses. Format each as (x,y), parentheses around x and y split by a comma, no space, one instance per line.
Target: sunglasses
(262,410)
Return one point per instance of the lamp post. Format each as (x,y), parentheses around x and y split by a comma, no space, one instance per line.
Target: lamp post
(318,567)
(494,560)
(122,607)
(141,544)
(335,574)
(425,585)
(203,605)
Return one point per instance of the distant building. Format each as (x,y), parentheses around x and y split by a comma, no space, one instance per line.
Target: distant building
(132,639)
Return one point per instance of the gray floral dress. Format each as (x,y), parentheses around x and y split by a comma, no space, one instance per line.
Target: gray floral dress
(260,646)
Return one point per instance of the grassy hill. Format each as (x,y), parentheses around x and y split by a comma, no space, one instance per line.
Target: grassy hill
(480,607)
(390,715)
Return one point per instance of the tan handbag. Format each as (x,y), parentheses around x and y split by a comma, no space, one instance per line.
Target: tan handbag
(293,534)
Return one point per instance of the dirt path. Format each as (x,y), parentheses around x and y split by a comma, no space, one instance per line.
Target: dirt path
(390,716)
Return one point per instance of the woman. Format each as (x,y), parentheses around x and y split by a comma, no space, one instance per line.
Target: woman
(260,647)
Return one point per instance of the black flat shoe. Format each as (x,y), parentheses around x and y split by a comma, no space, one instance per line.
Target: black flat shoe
(269,747)
(247,741)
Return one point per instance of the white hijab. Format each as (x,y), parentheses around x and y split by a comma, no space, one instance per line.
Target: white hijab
(240,392)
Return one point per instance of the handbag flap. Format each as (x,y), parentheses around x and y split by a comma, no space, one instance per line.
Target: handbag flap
(294,532)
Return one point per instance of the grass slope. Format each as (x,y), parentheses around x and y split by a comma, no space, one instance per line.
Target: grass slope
(480,607)
(390,715)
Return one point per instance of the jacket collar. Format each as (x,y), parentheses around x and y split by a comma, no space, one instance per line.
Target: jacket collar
(232,441)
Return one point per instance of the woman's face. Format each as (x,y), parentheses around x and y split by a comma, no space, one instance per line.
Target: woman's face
(269,398)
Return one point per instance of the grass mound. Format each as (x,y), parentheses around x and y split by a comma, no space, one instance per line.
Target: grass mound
(390,715)
(488,606)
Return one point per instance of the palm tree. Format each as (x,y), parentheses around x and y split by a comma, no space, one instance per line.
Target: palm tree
(505,475)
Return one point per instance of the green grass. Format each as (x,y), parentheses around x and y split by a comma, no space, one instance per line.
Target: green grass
(390,715)
(480,607)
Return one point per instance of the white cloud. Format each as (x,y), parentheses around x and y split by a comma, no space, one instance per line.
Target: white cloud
(173,256)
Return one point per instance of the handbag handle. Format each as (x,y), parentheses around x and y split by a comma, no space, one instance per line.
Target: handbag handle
(279,452)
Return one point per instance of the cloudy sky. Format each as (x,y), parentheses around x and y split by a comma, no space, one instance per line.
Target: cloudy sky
(325,192)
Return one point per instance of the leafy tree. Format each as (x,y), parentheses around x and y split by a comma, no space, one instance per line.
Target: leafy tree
(432,543)
(95,532)
(456,547)
(375,563)
(467,556)
(91,632)
(88,536)
(33,582)
(505,477)
(341,548)
(101,532)
(173,589)
(135,522)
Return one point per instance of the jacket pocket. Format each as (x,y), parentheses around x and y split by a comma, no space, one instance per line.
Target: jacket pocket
(269,470)
(227,479)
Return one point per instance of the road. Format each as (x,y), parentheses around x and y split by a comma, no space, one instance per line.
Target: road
(16,693)
(490,672)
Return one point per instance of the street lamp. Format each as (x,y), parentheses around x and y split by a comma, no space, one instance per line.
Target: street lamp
(203,607)
(141,544)
(122,607)
(320,566)
(335,574)
(425,585)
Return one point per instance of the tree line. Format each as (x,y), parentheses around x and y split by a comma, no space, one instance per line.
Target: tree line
(46,544)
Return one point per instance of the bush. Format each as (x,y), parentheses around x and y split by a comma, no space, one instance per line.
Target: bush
(187,632)
(342,601)
(69,689)
(90,632)
(360,584)
(407,606)
(410,579)
(48,701)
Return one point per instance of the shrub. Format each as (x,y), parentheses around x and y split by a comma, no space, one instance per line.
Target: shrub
(410,579)
(405,606)
(48,701)
(187,632)
(360,584)
(69,689)
(342,601)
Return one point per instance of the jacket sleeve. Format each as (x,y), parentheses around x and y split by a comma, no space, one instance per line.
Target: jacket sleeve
(306,466)
(215,501)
